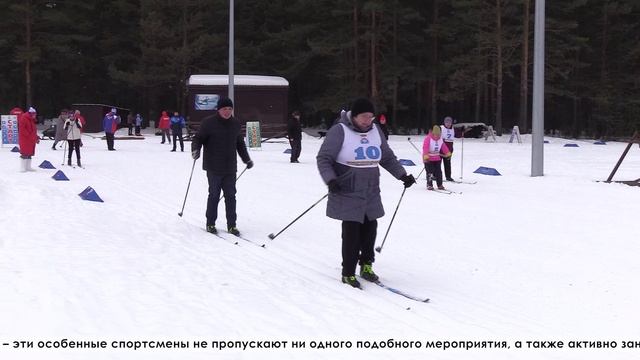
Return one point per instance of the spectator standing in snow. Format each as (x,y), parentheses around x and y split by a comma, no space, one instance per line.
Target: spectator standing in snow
(432,147)
(61,134)
(138,123)
(164,124)
(222,139)
(294,132)
(73,128)
(448,134)
(177,124)
(110,125)
(348,163)
(27,138)
(130,122)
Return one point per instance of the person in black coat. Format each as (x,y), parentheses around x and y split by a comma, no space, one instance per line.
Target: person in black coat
(221,137)
(294,132)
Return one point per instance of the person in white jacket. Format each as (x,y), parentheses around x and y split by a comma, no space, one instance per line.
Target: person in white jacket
(74,134)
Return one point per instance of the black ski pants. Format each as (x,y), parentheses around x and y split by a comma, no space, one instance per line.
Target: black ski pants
(296,149)
(176,137)
(226,183)
(447,162)
(433,172)
(110,140)
(358,240)
(74,144)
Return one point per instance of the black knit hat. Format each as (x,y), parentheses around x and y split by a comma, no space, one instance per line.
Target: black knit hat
(225,102)
(360,106)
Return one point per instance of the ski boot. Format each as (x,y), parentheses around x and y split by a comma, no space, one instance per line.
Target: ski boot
(212,229)
(366,272)
(351,280)
(233,230)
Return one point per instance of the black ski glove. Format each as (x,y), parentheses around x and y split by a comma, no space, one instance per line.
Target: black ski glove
(408,180)
(249,164)
(195,154)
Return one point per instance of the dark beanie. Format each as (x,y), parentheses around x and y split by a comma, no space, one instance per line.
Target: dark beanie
(360,106)
(225,102)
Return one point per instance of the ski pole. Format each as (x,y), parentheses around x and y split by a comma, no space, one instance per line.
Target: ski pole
(414,146)
(419,152)
(188,185)
(272,236)
(379,248)
(64,151)
(462,153)
(238,177)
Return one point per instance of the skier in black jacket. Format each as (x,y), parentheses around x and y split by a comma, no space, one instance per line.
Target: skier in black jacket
(294,132)
(221,137)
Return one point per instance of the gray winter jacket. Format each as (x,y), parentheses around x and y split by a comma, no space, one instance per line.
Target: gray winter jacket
(61,133)
(359,193)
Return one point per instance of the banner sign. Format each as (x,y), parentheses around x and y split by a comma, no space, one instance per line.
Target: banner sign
(254,140)
(9,129)
(206,101)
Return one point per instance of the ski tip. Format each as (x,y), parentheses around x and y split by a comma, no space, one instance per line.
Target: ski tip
(426,300)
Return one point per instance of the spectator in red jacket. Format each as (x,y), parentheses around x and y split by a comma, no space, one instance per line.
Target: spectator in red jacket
(164,124)
(27,138)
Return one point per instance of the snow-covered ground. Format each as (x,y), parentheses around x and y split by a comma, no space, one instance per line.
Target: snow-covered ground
(513,258)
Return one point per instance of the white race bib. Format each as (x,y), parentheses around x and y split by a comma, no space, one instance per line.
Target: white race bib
(360,149)
(448,134)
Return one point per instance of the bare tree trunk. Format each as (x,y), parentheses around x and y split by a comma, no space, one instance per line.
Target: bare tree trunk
(478,98)
(356,60)
(395,65)
(434,62)
(182,62)
(524,71)
(604,73)
(27,64)
(373,49)
(489,93)
(498,68)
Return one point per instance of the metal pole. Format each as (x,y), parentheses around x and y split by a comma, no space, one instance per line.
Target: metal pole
(231,49)
(537,132)
(462,153)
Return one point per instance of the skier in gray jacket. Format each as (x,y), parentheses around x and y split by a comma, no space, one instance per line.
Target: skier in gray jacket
(348,163)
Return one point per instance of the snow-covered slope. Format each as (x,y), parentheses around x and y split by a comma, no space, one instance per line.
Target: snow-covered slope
(551,258)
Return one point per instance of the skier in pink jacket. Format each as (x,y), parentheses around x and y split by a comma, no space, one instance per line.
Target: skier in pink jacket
(433,149)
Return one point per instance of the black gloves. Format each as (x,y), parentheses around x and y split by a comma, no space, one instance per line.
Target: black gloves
(408,180)
(195,154)
(249,164)
(334,187)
